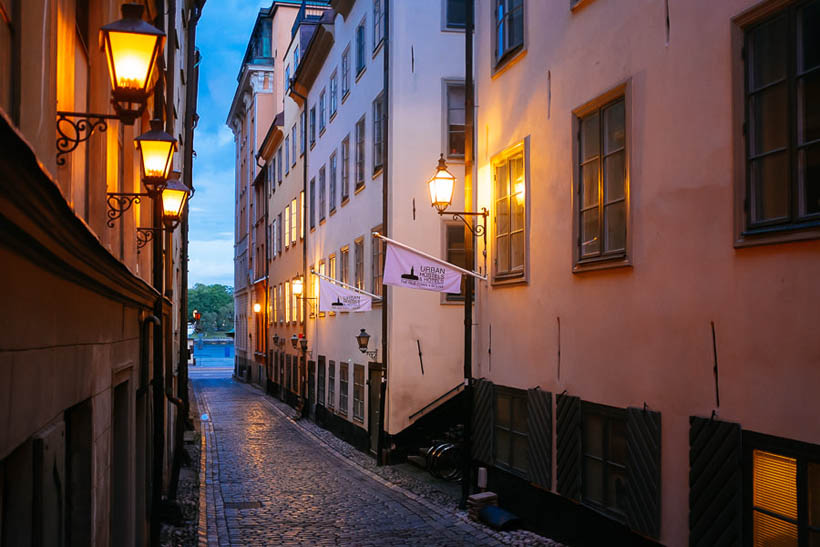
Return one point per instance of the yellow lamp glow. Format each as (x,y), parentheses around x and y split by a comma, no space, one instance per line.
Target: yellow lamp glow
(132,47)
(441,186)
(519,190)
(257,308)
(156,148)
(298,286)
(174,197)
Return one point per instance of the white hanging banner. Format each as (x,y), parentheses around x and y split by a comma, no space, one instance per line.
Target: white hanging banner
(406,268)
(333,297)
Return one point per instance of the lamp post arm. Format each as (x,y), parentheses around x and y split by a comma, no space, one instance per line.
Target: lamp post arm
(118,203)
(80,130)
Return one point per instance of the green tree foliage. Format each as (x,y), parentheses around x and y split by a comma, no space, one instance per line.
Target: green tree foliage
(215,303)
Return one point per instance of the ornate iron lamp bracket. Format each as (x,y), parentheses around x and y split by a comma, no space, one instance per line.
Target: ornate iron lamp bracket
(371,353)
(73,132)
(119,203)
(478,230)
(144,235)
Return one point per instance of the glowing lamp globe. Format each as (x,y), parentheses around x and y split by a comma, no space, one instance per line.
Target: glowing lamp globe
(441,186)
(298,286)
(257,307)
(156,148)
(132,47)
(363,338)
(174,196)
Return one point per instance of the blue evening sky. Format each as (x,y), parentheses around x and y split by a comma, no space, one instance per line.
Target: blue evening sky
(222,35)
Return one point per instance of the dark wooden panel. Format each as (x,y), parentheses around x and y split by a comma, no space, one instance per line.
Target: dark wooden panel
(483,420)
(715,483)
(539,425)
(643,469)
(568,424)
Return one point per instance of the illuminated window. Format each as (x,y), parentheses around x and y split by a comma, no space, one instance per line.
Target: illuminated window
(344,264)
(774,503)
(294,306)
(293,221)
(302,209)
(287,226)
(510,215)
(287,301)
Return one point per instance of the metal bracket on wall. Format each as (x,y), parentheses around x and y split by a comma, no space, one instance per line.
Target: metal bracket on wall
(73,132)
(144,235)
(119,203)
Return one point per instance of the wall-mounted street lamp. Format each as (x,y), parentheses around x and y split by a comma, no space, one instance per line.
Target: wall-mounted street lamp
(257,307)
(132,47)
(174,196)
(441,187)
(298,286)
(363,339)
(156,148)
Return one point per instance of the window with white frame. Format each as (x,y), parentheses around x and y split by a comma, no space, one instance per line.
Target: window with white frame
(344,265)
(378,23)
(358,392)
(322,193)
(455,13)
(287,302)
(343,388)
(279,165)
(346,72)
(287,155)
(454,241)
(302,117)
(287,226)
(334,92)
(279,233)
(312,125)
(322,111)
(360,48)
(293,144)
(302,214)
(345,175)
(293,221)
(358,263)
(360,153)
(455,120)
(312,202)
(332,192)
(331,384)
(508,18)
(378,135)
(510,190)
(377,262)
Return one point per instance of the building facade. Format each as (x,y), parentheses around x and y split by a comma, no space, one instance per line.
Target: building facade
(647,339)
(92,363)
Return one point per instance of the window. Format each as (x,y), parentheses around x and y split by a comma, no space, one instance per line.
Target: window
(344,265)
(604,455)
(602,191)
(333,182)
(274,238)
(287,155)
(331,266)
(312,125)
(279,164)
(322,193)
(782,127)
(358,392)
(360,48)
(360,153)
(279,232)
(378,24)
(287,226)
(287,78)
(346,72)
(358,257)
(331,384)
(287,302)
(343,381)
(320,380)
(296,56)
(282,303)
(334,92)
(454,234)
(293,221)
(322,117)
(302,132)
(346,168)
(511,432)
(313,203)
(302,216)
(455,120)
(377,262)
(378,135)
(510,215)
(294,307)
(509,28)
(455,15)
(293,143)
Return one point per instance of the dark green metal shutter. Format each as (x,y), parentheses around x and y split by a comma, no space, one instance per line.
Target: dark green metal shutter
(539,425)
(643,470)
(568,423)
(483,420)
(715,483)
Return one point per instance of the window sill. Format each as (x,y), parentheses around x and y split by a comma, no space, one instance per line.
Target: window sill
(608,263)
(377,171)
(359,420)
(510,279)
(456,158)
(510,59)
(378,48)
(332,212)
(312,145)
(322,221)
(344,201)
(579,5)
(332,116)
(345,96)
(360,74)
(322,131)
(359,188)
(778,234)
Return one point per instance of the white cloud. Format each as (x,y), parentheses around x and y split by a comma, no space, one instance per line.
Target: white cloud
(211,261)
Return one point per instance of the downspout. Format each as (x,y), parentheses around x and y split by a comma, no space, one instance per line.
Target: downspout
(380,443)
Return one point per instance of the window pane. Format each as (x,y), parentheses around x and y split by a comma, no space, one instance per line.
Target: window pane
(519,453)
(517,254)
(503,257)
(590,244)
(616,489)
(455,13)
(502,411)
(809,46)
(516,24)
(589,184)
(773,532)
(503,216)
(808,115)
(501,186)
(767,53)
(813,488)
(593,434)
(614,123)
(615,216)
(589,137)
(809,173)
(617,442)
(455,141)
(614,176)
(769,125)
(502,446)
(770,178)
(520,414)
(593,480)
(518,207)
(775,483)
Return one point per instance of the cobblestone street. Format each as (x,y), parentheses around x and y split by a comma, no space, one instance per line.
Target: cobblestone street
(270,481)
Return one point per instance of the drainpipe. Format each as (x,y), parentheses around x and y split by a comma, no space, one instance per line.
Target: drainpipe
(381,441)
(306,148)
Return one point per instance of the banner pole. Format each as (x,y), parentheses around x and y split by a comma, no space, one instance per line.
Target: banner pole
(351,287)
(431,257)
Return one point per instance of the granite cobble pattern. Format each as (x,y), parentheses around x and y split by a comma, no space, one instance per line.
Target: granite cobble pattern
(268,480)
